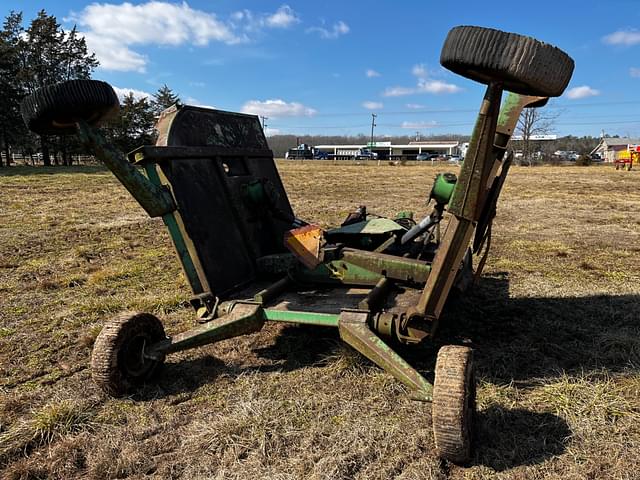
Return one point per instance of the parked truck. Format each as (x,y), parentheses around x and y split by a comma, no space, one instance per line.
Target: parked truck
(354,153)
(301,152)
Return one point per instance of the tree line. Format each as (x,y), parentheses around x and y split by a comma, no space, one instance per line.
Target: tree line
(43,54)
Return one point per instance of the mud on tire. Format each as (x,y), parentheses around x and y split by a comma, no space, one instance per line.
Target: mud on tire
(54,109)
(525,65)
(454,403)
(117,361)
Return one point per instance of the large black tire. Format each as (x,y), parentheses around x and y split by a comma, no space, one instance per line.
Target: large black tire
(117,361)
(525,65)
(454,403)
(55,109)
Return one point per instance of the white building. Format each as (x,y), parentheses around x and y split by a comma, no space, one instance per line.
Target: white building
(386,150)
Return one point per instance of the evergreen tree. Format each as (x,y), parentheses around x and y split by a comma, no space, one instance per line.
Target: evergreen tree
(50,55)
(134,127)
(12,129)
(163,99)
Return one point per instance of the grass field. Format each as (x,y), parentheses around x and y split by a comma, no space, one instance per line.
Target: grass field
(555,323)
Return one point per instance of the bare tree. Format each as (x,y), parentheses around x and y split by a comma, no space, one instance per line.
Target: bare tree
(533,121)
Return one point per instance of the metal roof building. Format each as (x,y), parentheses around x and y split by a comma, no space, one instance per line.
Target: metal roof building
(387,150)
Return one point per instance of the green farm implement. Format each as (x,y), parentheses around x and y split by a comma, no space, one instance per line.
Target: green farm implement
(212,179)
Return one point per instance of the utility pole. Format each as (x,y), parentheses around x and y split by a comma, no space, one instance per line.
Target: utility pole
(373,124)
(264,125)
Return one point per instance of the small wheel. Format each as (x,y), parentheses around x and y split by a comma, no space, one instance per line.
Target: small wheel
(524,65)
(118,363)
(54,109)
(453,407)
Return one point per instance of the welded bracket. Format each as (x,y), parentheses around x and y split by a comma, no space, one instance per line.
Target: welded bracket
(355,331)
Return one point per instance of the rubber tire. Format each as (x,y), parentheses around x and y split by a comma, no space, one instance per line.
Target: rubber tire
(525,65)
(111,367)
(54,110)
(454,403)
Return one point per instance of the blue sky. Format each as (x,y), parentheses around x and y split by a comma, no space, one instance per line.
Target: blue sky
(324,67)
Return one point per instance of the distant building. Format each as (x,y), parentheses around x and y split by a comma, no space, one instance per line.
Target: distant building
(609,147)
(386,150)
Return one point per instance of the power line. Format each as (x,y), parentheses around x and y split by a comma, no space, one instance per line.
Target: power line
(475,110)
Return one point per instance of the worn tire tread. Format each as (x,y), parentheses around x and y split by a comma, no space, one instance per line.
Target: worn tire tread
(54,109)
(453,397)
(105,370)
(525,65)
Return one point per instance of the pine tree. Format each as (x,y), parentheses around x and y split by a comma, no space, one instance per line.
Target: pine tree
(50,55)
(163,99)
(134,127)
(12,128)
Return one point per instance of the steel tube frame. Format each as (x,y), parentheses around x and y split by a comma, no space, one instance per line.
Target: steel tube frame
(491,135)
(156,200)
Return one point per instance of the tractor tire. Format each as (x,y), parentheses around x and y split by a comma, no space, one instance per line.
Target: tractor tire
(117,361)
(453,407)
(55,109)
(522,64)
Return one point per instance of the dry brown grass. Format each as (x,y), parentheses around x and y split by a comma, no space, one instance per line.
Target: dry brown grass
(555,324)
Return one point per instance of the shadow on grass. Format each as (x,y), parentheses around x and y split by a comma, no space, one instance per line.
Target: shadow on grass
(518,340)
(299,346)
(183,376)
(522,339)
(27,170)
(506,438)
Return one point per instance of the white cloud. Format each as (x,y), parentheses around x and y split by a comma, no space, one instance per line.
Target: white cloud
(137,94)
(372,105)
(414,106)
(419,125)
(114,55)
(338,29)
(623,37)
(634,72)
(114,30)
(398,91)
(372,73)
(277,108)
(197,103)
(425,84)
(283,18)
(582,92)
(436,86)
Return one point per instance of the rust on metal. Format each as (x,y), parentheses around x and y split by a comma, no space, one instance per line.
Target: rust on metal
(376,296)
(355,331)
(244,318)
(408,270)
(273,291)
